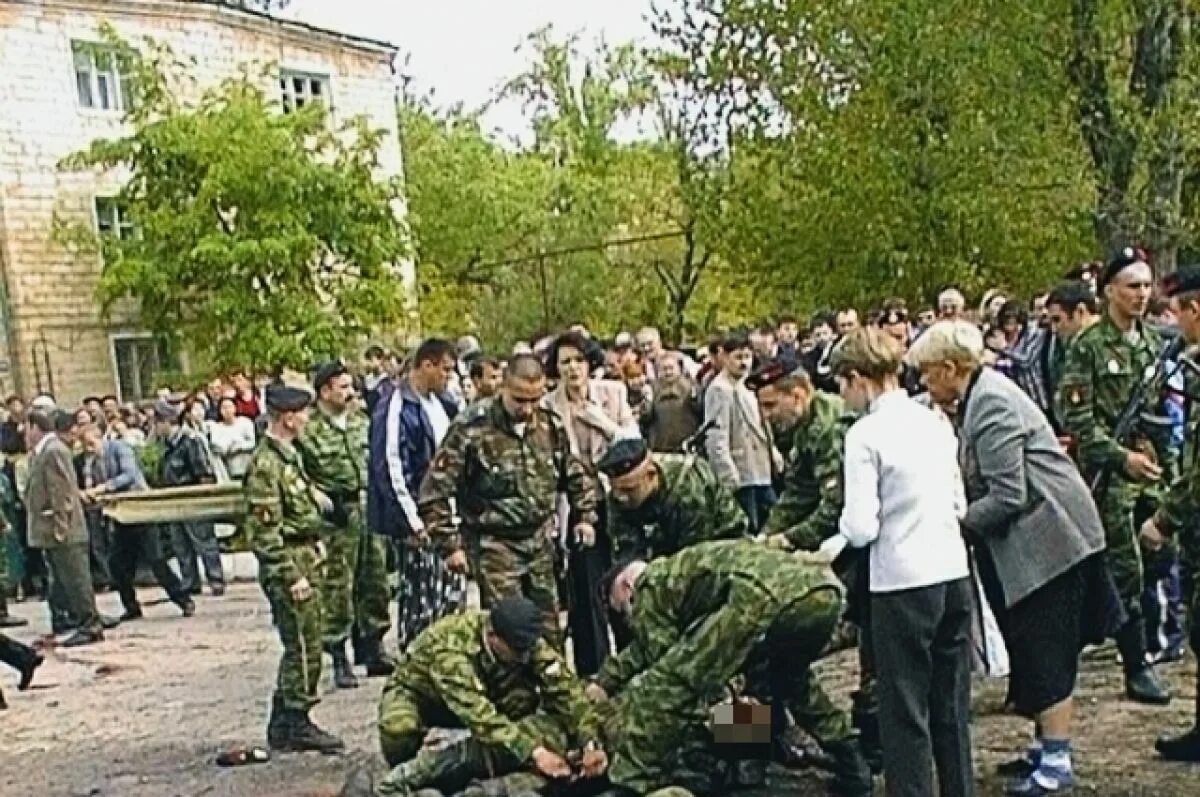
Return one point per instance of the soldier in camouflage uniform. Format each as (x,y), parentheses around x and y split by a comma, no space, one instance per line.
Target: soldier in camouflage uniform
(355,590)
(1103,367)
(1179,515)
(662,503)
(811,426)
(504,461)
(283,527)
(494,674)
(702,617)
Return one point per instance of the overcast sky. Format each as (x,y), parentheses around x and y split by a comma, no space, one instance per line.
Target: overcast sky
(464,49)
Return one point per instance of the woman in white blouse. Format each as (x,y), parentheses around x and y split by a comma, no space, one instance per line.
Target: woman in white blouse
(232,438)
(903,498)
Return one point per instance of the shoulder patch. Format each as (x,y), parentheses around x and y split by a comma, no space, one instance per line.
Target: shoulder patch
(554,669)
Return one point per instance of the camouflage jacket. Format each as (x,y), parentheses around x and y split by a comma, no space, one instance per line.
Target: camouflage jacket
(716,595)
(1179,514)
(334,458)
(690,506)
(810,502)
(281,512)
(1100,372)
(505,484)
(450,667)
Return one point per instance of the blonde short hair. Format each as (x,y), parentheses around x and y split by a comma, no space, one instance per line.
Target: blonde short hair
(947,341)
(869,352)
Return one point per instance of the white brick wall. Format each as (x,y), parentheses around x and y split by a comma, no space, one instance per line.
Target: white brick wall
(50,291)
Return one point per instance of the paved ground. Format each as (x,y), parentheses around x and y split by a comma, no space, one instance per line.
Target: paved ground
(144,714)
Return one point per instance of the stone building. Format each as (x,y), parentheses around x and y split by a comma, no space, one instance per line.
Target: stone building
(58,93)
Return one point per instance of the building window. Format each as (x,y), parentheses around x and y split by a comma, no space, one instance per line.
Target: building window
(111,218)
(139,361)
(297,89)
(98,79)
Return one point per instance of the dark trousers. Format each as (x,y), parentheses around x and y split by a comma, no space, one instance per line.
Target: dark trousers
(131,544)
(756,502)
(921,641)
(191,540)
(71,585)
(98,549)
(587,619)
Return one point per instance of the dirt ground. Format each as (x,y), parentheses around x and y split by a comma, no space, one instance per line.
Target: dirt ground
(144,714)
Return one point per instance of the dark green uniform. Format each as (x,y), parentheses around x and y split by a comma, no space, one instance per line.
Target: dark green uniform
(1179,517)
(700,618)
(810,502)
(283,527)
(505,484)
(449,678)
(1101,370)
(355,590)
(690,506)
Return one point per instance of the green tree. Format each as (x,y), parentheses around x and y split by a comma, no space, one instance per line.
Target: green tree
(260,237)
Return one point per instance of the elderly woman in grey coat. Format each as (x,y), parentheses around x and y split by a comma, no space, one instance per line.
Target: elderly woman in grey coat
(1036,534)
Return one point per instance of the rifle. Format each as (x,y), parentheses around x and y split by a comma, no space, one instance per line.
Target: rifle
(695,443)
(1133,415)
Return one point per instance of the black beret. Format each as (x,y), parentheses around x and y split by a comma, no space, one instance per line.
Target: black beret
(767,375)
(327,371)
(1185,280)
(1124,259)
(518,621)
(284,398)
(622,457)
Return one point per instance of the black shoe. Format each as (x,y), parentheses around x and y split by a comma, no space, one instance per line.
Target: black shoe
(297,734)
(1017,769)
(277,731)
(343,673)
(108,622)
(81,638)
(1143,686)
(33,660)
(131,614)
(369,652)
(218,590)
(851,775)
(188,607)
(8,621)
(1185,747)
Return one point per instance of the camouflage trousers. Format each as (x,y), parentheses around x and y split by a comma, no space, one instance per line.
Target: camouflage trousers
(300,626)
(1123,507)
(355,591)
(403,724)
(661,718)
(505,567)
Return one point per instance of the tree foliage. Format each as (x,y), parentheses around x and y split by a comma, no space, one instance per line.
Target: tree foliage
(259,237)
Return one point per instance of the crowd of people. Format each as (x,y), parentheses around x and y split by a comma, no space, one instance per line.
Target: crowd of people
(709,520)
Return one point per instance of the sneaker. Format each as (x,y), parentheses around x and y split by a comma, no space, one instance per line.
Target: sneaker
(1042,781)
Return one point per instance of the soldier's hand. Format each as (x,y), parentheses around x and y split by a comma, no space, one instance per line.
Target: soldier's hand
(594,763)
(586,534)
(550,764)
(457,562)
(779,542)
(1142,467)
(595,693)
(301,590)
(1151,537)
(324,502)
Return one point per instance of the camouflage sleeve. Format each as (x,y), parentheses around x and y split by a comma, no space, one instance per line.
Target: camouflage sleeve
(726,519)
(619,669)
(459,686)
(1076,403)
(579,485)
(264,523)
(1181,504)
(822,522)
(441,485)
(563,697)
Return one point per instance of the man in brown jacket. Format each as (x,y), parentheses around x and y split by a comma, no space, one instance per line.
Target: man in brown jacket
(57,526)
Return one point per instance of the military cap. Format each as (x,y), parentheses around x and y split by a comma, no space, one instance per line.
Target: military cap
(326,372)
(518,621)
(1185,280)
(166,410)
(1124,259)
(285,398)
(622,457)
(767,375)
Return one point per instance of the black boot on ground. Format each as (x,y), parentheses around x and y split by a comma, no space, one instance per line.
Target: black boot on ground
(343,673)
(369,653)
(22,658)
(298,734)
(1185,747)
(276,732)
(851,775)
(1142,684)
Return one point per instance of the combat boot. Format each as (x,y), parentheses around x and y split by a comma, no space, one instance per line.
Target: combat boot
(343,673)
(851,775)
(1185,747)
(21,658)
(302,735)
(277,732)
(1141,681)
(370,654)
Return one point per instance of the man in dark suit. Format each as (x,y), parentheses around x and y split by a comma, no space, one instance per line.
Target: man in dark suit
(57,526)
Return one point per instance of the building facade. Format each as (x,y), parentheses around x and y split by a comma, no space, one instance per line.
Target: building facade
(58,93)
